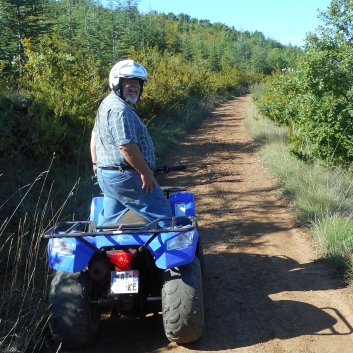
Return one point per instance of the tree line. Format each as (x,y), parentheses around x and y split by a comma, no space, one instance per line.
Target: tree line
(55,57)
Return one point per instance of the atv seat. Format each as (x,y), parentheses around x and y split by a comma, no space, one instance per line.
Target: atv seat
(130,220)
(131,217)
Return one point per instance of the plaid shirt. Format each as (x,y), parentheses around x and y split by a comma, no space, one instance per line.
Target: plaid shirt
(118,124)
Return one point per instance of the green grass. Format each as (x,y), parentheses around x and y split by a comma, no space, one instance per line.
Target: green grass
(321,198)
(334,235)
(263,131)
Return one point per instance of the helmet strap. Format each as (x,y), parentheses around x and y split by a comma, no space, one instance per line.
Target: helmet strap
(116,87)
(141,87)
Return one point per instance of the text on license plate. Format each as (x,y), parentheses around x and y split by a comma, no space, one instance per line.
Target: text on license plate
(124,282)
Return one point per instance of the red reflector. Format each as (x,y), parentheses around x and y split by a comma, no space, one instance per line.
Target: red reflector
(121,258)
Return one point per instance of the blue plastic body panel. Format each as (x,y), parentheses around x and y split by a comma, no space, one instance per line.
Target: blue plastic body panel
(185,201)
(181,202)
(75,263)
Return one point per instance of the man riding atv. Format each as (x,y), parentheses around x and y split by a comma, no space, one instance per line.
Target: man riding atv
(132,267)
(123,152)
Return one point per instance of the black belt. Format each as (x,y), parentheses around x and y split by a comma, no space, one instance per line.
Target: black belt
(122,167)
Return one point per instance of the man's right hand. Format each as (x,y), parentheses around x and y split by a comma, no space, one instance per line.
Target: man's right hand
(148,181)
(133,156)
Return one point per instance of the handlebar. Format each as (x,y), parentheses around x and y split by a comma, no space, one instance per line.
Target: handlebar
(166,169)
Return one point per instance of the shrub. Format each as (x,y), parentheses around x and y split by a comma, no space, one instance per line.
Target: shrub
(62,89)
(314,99)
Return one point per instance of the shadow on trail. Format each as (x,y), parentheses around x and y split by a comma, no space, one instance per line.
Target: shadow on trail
(238,309)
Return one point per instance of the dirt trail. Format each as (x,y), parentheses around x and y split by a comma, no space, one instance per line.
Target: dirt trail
(263,289)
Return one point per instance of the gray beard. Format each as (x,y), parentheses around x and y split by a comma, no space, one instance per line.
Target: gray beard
(130,99)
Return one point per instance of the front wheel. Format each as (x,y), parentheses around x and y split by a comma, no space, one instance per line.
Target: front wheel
(182,303)
(74,319)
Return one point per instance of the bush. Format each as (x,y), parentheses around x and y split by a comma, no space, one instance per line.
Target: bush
(314,99)
(62,89)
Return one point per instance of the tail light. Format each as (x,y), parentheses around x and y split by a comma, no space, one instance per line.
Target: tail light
(122,258)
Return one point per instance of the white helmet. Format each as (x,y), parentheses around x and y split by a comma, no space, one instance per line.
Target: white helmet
(126,69)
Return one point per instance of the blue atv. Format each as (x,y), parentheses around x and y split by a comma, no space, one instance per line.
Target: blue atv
(130,268)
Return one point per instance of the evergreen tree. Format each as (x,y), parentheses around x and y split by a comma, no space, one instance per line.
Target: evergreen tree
(243,52)
(185,43)
(19,19)
(214,62)
(199,46)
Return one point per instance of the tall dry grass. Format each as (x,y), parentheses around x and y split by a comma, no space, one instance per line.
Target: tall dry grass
(25,275)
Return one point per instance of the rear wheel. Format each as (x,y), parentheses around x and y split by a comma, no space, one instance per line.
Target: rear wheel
(182,303)
(74,320)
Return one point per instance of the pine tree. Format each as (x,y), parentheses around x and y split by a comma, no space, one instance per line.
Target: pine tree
(243,52)
(19,19)
(185,43)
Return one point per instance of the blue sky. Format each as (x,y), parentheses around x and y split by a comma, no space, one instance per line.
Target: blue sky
(286,21)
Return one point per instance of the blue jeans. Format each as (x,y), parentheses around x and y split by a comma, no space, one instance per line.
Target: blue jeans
(123,190)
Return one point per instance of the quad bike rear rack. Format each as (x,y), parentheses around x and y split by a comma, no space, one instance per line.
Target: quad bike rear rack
(73,229)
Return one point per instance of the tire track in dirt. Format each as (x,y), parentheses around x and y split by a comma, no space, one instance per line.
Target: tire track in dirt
(264,289)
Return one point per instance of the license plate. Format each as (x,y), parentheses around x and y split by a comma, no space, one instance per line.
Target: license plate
(124,282)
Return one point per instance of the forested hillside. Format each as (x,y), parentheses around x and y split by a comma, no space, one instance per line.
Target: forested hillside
(55,57)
